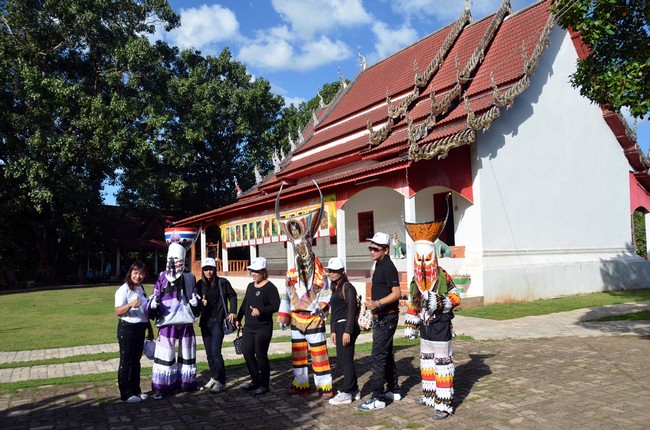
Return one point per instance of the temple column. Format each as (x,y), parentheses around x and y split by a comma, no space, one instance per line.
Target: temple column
(291,255)
(409,216)
(647,231)
(224,260)
(253,252)
(203,244)
(340,234)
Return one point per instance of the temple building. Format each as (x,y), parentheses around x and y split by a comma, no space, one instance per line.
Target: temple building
(542,181)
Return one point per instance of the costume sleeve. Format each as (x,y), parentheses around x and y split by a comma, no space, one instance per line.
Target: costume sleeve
(412,321)
(324,296)
(451,300)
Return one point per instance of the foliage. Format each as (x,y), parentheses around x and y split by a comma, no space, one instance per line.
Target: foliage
(67,105)
(617,71)
(638,233)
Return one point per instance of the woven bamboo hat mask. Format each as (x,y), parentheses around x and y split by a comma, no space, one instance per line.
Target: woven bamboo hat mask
(424,235)
(300,230)
(175,262)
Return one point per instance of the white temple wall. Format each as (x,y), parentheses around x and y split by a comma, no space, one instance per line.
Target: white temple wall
(552,192)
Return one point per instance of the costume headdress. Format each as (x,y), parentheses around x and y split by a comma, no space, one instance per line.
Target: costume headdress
(424,235)
(179,241)
(300,231)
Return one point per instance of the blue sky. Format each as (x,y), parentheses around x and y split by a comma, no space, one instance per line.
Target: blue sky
(298,45)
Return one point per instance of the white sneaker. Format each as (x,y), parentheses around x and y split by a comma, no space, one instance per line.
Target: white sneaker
(389,395)
(209,384)
(341,399)
(371,404)
(133,399)
(144,396)
(357,395)
(218,388)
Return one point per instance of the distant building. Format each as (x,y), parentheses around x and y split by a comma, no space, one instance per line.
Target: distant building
(543,182)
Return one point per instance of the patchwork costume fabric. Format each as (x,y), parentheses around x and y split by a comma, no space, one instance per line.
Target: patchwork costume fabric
(175,293)
(432,299)
(305,303)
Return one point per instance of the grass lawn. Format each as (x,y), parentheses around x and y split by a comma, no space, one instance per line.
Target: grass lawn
(544,307)
(84,316)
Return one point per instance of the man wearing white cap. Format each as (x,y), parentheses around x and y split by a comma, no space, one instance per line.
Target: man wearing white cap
(384,304)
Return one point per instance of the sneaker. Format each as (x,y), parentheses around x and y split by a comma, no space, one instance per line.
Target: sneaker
(209,384)
(440,415)
(260,390)
(143,396)
(341,399)
(133,399)
(250,387)
(157,395)
(218,387)
(393,396)
(372,403)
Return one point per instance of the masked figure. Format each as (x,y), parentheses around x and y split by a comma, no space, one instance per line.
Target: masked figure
(432,298)
(305,303)
(174,302)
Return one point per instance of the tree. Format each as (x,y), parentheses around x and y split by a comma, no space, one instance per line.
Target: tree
(217,125)
(70,100)
(617,71)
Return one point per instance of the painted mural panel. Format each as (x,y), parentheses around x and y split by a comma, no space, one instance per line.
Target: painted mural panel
(264,228)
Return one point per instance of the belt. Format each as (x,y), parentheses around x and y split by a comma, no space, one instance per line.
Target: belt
(383,314)
(340,321)
(302,312)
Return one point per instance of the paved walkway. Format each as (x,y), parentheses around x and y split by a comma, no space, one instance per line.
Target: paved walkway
(545,372)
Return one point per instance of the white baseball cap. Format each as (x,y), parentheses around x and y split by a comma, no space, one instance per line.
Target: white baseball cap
(258,264)
(335,263)
(209,262)
(380,239)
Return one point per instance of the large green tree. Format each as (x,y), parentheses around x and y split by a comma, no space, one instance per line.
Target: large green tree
(71,98)
(218,124)
(617,71)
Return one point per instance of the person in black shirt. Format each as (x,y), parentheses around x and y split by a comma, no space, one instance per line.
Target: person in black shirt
(261,301)
(345,330)
(215,292)
(384,303)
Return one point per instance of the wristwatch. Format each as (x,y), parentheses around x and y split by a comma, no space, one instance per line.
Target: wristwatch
(378,303)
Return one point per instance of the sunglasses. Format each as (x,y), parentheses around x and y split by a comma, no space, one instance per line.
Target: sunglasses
(206,269)
(339,271)
(373,249)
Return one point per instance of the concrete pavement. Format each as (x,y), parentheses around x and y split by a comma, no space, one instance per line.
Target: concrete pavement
(548,372)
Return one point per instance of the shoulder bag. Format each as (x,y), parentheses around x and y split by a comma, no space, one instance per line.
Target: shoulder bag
(228,326)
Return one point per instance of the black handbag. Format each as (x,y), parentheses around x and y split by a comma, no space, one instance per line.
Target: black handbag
(228,326)
(237,343)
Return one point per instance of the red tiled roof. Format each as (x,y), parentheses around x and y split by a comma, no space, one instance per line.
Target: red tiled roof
(340,142)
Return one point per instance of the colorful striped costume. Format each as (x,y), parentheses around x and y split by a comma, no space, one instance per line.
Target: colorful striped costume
(306,310)
(429,314)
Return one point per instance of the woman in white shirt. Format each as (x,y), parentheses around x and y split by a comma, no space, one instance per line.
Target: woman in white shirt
(130,306)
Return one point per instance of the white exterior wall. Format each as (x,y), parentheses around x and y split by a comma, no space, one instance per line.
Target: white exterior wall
(551,211)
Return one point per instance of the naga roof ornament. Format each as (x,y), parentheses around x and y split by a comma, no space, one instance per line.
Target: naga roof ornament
(395,113)
(441,147)
(344,84)
(362,59)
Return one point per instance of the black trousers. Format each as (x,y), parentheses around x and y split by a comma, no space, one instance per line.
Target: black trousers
(345,358)
(131,341)
(382,355)
(255,346)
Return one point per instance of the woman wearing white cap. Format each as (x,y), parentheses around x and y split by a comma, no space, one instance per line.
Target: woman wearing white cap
(261,301)
(344,330)
(219,301)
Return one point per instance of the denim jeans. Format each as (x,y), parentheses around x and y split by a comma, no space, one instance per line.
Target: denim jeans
(212,340)
(382,356)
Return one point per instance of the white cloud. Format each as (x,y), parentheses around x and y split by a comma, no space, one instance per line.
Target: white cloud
(390,41)
(204,26)
(309,17)
(275,50)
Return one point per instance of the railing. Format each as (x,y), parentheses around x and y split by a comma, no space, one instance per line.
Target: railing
(233,266)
